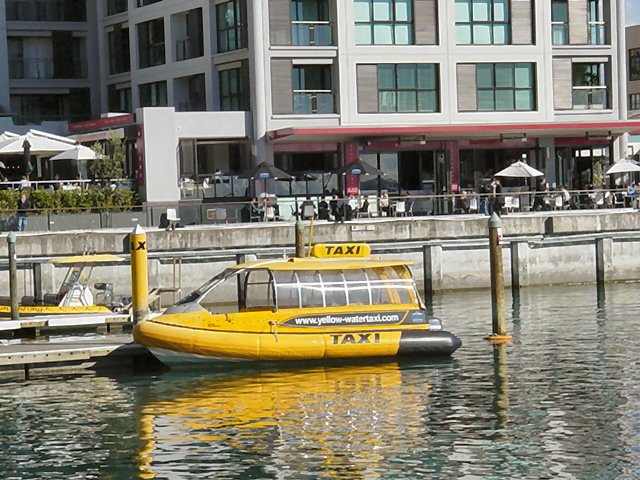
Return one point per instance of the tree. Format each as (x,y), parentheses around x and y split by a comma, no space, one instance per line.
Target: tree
(110,162)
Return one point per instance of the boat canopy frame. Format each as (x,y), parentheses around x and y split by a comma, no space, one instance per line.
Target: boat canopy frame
(334,287)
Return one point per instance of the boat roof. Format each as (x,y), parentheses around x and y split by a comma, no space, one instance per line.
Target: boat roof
(313,263)
(83,259)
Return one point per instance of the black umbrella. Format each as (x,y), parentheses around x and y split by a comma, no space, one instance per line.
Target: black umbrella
(265,171)
(26,158)
(358,167)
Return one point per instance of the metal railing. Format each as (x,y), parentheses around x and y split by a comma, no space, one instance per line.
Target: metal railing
(311,33)
(289,209)
(313,101)
(589,97)
(559,33)
(44,68)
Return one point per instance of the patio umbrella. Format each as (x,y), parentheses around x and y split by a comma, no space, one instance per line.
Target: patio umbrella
(79,153)
(265,171)
(519,169)
(358,167)
(38,145)
(26,159)
(624,165)
(7,136)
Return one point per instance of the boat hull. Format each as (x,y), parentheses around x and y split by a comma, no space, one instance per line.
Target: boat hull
(52,310)
(175,344)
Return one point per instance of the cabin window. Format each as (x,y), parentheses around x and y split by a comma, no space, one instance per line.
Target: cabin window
(287,292)
(335,288)
(259,289)
(358,292)
(311,291)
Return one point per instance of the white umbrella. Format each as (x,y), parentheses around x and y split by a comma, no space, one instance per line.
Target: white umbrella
(7,136)
(38,145)
(519,169)
(624,165)
(79,152)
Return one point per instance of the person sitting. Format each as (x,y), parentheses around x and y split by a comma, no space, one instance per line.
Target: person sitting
(25,184)
(364,207)
(255,213)
(351,208)
(462,203)
(384,203)
(323,209)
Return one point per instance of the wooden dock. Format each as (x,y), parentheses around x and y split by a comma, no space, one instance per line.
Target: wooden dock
(39,323)
(23,358)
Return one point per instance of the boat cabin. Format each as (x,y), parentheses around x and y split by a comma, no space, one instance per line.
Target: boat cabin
(313,282)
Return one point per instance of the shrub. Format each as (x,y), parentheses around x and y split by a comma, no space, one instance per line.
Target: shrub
(71,201)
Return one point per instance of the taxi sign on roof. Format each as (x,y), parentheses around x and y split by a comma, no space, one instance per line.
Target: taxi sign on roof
(326,250)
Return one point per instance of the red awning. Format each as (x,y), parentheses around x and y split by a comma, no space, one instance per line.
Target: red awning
(453,132)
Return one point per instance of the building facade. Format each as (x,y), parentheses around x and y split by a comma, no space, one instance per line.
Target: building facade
(438,94)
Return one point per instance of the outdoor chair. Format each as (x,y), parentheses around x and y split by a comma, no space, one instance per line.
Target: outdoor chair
(558,203)
(172,218)
(308,211)
(473,204)
(400,209)
(508,203)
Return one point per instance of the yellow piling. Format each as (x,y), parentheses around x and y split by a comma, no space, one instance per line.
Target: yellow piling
(497,281)
(13,276)
(139,275)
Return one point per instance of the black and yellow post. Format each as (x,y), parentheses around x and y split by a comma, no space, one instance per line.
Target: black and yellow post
(139,275)
(299,239)
(13,276)
(499,333)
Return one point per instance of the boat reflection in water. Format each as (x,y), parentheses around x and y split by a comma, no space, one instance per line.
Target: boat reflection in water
(326,421)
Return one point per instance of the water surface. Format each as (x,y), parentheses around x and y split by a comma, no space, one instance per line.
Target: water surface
(561,401)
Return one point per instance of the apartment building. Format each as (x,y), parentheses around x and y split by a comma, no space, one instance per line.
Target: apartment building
(46,68)
(633,85)
(438,94)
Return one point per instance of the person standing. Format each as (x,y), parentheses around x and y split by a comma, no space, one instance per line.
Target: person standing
(23,208)
(496,196)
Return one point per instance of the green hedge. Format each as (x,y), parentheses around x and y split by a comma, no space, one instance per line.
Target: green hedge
(71,201)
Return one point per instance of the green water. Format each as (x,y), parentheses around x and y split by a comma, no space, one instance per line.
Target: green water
(561,401)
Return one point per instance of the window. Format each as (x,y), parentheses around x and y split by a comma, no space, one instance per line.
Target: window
(505,86)
(151,43)
(144,3)
(482,22)
(259,289)
(408,88)
(234,89)
(384,22)
(119,53)
(559,22)
(634,64)
(589,85)
(116,6)
(119,99)
(595,19)
(46,11)
(310,22)
(232,27)
(312,92)
(634,101)
(153,94)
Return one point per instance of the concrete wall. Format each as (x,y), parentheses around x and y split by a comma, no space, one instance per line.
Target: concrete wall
(188,257)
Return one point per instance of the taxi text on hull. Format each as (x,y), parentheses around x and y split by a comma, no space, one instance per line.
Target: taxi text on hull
(337,303)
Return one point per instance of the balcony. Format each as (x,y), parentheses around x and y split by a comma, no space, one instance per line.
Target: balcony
(311,33)
(313,101)
(31,68)
(597,34)
(589,98)
(559,33)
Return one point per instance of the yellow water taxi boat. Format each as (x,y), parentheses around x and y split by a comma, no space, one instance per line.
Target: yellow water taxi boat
(74,297)
(337,303)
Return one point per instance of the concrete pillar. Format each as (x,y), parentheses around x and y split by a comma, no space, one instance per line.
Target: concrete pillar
(548,159)
(604,260)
